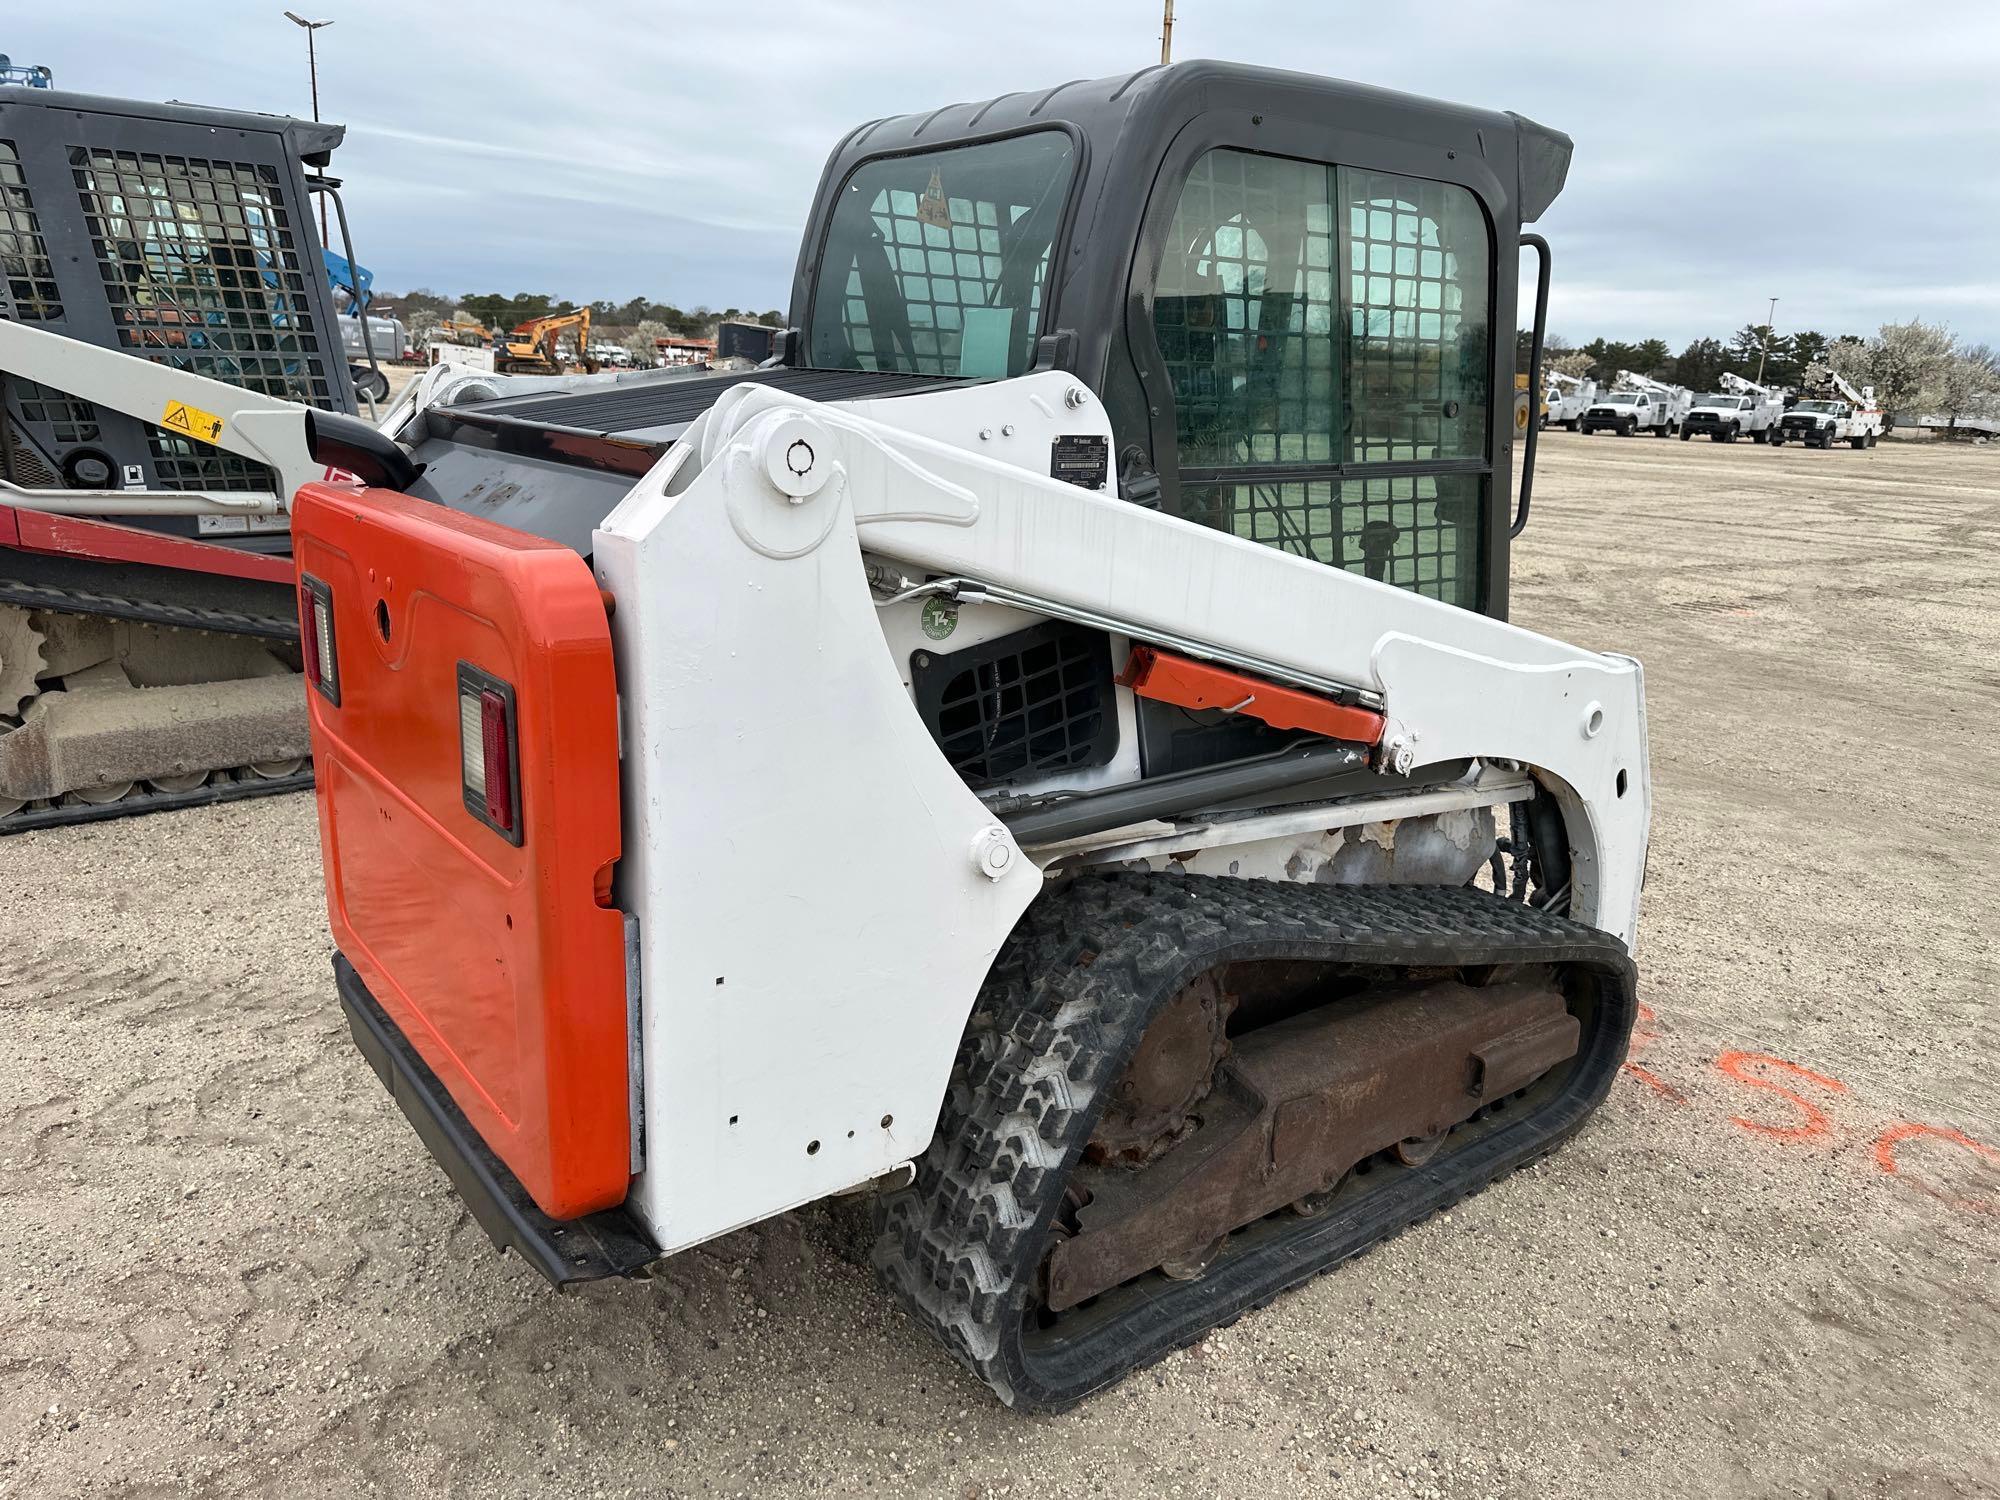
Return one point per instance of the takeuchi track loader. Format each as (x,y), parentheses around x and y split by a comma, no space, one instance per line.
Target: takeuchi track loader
(168,350)
(1049,753)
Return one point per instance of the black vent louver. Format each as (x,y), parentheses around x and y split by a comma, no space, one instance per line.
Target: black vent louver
(1037,701)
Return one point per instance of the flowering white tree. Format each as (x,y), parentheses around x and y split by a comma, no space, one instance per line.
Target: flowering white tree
(641,340)
(1969,384)
(1906,362)
(1569,362)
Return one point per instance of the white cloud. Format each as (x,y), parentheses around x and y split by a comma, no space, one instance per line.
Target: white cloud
(1841,156)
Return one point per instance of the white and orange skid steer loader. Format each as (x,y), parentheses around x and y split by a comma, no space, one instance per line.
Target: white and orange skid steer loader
(1048,749)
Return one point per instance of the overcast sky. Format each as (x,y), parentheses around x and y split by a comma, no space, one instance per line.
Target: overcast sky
(1843,157)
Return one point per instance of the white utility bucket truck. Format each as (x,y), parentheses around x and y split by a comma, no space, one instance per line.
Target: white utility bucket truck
(1834,412)
(1566,399)
(1637,403)
(1742,408)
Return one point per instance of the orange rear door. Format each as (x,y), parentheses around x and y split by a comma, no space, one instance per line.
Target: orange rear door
(484,931)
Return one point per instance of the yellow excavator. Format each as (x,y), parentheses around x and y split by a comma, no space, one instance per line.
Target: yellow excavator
(531,348)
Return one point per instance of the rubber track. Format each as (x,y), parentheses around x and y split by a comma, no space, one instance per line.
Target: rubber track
(1067,1001)
(150,611)
(143,799)
(240,782)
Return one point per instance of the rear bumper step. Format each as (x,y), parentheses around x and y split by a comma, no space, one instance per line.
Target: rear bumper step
(609,1243)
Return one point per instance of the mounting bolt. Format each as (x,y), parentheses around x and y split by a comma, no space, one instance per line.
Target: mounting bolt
(992,852)
(1007,430)
(986,434)
(1075,396)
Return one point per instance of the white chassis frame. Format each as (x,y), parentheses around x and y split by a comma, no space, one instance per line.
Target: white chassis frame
(818,894)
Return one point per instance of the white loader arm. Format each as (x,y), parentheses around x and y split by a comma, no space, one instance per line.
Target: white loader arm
(266,429)
(754,676)
(1452,683)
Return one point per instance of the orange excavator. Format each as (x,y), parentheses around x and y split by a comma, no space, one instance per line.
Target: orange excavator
(531,348)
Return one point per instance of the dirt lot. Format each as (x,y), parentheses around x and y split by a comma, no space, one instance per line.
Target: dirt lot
(1769,1266)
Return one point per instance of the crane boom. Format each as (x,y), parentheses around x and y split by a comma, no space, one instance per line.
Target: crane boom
(1863,397)
(1736,385)
(1628,380)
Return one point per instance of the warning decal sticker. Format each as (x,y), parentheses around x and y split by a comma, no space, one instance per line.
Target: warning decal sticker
(932,209)
(191,421)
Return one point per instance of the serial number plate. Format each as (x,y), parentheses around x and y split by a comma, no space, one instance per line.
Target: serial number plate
(1082,459)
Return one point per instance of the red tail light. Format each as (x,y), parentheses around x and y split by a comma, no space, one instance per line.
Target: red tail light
(499,760)
(322,660)
(491,780)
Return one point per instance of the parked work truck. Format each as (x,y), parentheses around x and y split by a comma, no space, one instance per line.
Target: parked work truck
(1566,399)
(1741,408)
(1832,412)
(1050,753)
(1626,411)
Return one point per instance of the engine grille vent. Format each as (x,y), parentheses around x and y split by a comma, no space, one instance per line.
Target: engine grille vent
(1036,701)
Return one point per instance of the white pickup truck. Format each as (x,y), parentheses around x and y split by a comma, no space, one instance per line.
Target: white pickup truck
(1726,418)
(1821,424)
(1627,412)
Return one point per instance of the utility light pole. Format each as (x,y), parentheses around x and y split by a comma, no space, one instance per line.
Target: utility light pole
(1167,34)
(1770,332)
(312,68)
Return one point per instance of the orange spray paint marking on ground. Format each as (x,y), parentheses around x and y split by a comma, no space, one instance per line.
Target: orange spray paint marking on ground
(1813,1122)
(1885,1158)
(1643,1035)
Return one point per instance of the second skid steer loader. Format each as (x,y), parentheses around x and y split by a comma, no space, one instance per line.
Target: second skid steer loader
(1050,751)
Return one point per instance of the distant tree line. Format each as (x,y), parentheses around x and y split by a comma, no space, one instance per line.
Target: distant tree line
(1786,357)
(1916,368)
(425,309)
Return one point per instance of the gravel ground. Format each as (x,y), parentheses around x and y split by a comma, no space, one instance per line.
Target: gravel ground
(1761,1270)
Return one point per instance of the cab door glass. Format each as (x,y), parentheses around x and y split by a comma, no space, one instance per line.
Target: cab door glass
(1244,310)
(1312,319)
(1416,316)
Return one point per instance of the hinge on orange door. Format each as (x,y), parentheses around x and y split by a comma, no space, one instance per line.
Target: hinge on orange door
(1187,683)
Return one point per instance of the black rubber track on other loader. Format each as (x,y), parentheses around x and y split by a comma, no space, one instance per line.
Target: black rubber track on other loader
(1066,1003)
(230,786)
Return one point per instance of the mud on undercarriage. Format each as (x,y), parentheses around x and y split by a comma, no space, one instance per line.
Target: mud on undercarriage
(1179,1097)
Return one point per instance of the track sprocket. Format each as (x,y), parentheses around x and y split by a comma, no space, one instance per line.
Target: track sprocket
(21,659)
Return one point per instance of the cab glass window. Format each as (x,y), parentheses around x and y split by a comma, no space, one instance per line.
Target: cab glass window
(1313,319)
(935,262)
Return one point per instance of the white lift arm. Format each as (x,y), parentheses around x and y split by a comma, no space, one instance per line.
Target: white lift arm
(746,628)
(263,428)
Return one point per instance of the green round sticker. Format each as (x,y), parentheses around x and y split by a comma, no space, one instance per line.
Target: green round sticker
(940,617)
